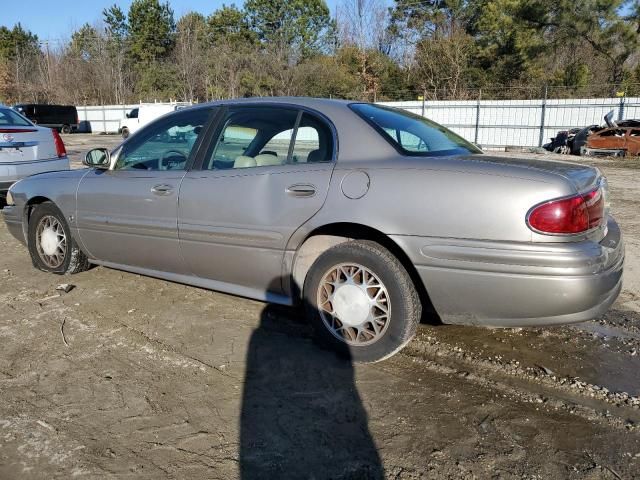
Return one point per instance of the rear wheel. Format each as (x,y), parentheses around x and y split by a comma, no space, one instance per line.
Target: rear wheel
(66,129)
(51,246)
(124,132)
(361,301)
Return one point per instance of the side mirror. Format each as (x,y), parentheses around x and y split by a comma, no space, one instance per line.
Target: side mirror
(98,158)
(127,115)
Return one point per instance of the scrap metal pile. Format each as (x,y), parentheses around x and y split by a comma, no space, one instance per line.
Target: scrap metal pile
(613,139)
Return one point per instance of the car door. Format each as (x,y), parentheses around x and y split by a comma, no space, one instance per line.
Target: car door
(265,174)
(127,215)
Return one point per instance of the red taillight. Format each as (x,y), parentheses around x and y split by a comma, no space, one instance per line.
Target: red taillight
(57,140)
(575,214)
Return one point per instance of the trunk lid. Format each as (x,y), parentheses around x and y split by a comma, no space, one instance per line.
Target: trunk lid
(582,177)
(26,143)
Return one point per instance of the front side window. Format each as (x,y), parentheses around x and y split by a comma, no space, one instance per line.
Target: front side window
(413,134)
(9,118)
(166,144)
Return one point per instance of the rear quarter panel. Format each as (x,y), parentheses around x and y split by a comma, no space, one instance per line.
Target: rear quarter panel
(431,198)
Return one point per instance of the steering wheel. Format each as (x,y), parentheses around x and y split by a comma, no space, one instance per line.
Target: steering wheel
(164,163)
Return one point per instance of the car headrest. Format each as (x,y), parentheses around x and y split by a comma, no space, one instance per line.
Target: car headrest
(315,156)
(244,162)
(265,159)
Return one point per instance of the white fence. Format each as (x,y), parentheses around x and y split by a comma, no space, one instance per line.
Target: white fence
(490,123)
(527,123)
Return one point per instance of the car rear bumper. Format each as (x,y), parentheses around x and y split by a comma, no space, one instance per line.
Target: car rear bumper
(516,285)
(11,172)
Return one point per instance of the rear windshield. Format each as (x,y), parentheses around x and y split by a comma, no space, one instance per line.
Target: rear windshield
(413,134)
(9,118)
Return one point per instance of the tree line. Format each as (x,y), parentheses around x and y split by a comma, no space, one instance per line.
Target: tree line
(366,49)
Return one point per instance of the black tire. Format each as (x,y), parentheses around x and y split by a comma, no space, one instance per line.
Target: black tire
(66,129)
(124,132)
(405,307)
(73,261)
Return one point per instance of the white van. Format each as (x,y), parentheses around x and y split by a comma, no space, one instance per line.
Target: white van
(146,113)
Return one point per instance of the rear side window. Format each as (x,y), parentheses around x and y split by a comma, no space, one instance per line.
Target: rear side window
(268,136)
(412,134)
(9,118)
(314,141)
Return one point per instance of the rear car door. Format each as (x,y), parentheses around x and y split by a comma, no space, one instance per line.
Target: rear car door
(128,215)
(266,173)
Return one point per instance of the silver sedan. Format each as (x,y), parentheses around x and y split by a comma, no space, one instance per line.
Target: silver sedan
(366,215)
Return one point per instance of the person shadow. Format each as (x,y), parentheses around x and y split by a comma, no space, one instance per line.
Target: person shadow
(302,416)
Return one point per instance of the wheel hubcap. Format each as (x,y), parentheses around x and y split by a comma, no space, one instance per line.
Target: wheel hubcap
(51,241)
(354,304)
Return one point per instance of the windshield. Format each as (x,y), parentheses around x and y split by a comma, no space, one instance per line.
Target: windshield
(413,134)
(10,118)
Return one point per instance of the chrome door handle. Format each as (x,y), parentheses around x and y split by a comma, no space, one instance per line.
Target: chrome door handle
(301,190)
(162,189)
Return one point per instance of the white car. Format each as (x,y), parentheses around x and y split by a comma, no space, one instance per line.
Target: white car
(146,113)
(27,149)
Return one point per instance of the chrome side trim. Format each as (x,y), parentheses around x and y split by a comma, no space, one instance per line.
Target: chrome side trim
(29,162)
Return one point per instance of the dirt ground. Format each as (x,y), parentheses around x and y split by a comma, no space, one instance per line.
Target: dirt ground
(131,377)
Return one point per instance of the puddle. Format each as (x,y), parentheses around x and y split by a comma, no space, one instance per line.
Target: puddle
(607,331)
(558,349)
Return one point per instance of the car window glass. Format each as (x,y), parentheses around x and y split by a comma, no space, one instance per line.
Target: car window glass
(279,145)
(232,143)
(9,117)
(413,134)
(164,145)
(314,141)
(253,137)
(412,142)
(634,133)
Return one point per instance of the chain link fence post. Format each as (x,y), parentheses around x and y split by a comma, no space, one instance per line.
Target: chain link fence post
(475,138)
(621,107)
(542,116)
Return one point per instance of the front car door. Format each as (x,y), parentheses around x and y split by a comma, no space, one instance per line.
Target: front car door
(127,215)
(265,174)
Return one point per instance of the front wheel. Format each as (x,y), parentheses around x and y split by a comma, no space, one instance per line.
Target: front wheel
(361,301)
(66,129)
(125,132)
(51,246)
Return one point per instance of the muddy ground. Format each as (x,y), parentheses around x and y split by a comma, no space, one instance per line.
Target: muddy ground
(132,377)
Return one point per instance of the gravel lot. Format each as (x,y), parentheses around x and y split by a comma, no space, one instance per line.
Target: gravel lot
(134,377)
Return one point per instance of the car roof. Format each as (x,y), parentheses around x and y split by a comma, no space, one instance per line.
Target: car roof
(311,102)
(351,133)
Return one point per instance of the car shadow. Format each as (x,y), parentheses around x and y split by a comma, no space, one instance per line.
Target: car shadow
(302,416)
